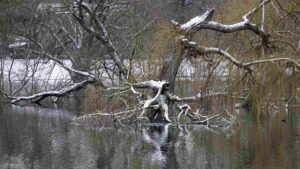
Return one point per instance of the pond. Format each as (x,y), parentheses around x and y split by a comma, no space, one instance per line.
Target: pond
(43,138)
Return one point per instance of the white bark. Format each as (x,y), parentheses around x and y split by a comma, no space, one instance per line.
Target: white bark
(198,96)
(195,117)
(152,84)
(204,22)
(157,85)
(197,21)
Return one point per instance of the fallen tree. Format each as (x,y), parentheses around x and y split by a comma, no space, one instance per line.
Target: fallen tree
(152,108)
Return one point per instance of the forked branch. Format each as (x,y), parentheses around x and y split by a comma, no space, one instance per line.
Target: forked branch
(204,22)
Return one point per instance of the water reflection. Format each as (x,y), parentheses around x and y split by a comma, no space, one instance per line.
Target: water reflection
(158,137)
(42,138)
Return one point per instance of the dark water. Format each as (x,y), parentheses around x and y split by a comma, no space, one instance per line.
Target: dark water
(40,138)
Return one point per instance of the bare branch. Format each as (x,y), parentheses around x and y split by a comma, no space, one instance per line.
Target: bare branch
(195,117)
(254,10)
(195,22)
(196,97)
(204,22)
(60,62)
(98,29)
(149,84)
(36,98)
(206,50)
(273,60)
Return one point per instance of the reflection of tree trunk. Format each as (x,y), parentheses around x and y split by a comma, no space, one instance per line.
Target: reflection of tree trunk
(159,137)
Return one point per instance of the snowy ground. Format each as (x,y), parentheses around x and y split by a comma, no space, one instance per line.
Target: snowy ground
(39,75)
(40,70)
(47,75)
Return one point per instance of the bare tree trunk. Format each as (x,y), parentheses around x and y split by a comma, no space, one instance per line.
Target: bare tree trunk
(170,69)
(2,69)
(168,73)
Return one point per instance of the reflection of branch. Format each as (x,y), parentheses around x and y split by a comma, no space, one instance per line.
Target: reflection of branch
(157,141)
(161,140)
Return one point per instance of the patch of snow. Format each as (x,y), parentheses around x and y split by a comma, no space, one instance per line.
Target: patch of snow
(49,6)
(289,71)
(17,44)
(45,71)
